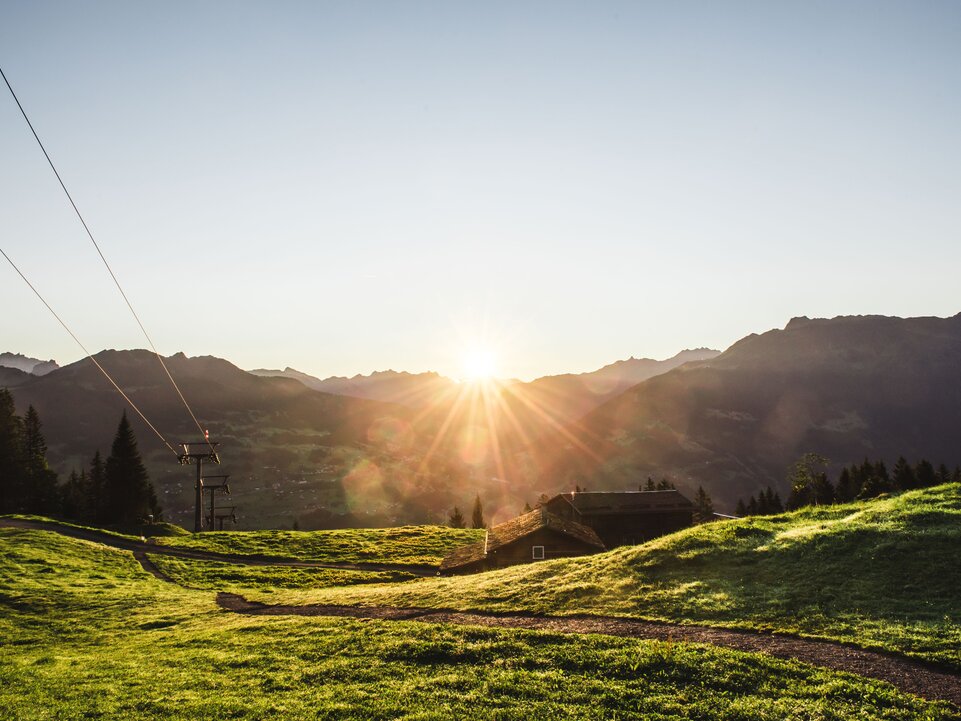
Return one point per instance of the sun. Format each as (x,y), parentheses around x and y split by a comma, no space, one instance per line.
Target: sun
(479,365)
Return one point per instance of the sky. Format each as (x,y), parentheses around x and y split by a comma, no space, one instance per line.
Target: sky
(346,187)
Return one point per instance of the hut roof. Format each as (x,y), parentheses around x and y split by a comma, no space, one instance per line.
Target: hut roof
(512,530)
(505,533)
(603,502)
(464,556)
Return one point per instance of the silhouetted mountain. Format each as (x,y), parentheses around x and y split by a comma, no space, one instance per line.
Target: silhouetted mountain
(410,389)
(12,377)
(274,431)
(566,397)
(573,395)
(26,364)
(847,388)
(291,449)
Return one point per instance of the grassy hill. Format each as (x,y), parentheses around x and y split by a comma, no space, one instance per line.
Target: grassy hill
(881,574)
(418,545)
(87,633)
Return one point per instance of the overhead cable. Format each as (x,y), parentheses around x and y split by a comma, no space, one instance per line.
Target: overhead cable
(96,245)
(100,367)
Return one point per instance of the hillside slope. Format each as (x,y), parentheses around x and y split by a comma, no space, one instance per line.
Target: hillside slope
(880,574)
(274,432)
(86,632)
(847,388)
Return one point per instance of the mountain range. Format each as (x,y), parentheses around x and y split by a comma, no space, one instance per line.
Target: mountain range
(572,394)
(397,447)
(847,388)
(34,366)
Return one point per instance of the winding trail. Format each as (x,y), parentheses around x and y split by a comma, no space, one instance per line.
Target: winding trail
(908,675)
(916,677)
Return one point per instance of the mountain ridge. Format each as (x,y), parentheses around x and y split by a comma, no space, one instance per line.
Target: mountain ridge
(846,387)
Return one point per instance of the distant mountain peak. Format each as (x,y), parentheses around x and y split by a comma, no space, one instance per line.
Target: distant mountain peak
(33,366)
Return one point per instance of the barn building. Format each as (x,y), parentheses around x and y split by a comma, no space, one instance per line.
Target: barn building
(535,536)
(622,518)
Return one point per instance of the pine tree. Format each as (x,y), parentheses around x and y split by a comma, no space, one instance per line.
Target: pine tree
(527,508)
(845,491)
(776,505)
(11,475)
(924,474)
(822,491)
(650,485)
(39,482)
(129,494)
(74,497)
(875,484)
(881,471)
(703,506)
(665,485)
(944,475)
(762,506)
(807,484)
(752,506)
(903,475)
(456,518)
(740,509)
(97,483)
(477,515)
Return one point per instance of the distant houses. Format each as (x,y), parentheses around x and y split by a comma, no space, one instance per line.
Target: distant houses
(574,524)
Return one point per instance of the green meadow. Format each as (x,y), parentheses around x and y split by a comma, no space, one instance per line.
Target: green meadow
(881,574)
(416,545)
(236,578)
(87,633)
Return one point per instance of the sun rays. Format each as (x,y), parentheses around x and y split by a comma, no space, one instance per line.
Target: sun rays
(485,420)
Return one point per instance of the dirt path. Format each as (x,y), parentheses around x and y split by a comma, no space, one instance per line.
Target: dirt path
(239,559)
(911,676)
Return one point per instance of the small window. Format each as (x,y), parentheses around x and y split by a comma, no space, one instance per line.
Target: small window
(538,553)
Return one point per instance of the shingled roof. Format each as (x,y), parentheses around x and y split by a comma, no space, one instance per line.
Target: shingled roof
(599,502)
(464,556)
(505,533)
(510,531)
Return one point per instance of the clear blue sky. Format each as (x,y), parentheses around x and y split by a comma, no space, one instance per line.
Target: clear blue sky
(345,187)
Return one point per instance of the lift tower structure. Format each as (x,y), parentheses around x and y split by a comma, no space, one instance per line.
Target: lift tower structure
(206,450)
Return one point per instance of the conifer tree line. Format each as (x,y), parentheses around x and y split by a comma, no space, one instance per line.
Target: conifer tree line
(811,486)
(112,491)
(662,485)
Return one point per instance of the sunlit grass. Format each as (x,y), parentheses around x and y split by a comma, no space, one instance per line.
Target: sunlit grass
(418,545)
(881,574)
(236,578)
(86,633)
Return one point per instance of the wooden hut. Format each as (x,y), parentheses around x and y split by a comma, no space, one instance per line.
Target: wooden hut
(622,518)
(536,536)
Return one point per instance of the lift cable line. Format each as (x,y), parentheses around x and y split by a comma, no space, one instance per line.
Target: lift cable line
(106,264)
(84,349)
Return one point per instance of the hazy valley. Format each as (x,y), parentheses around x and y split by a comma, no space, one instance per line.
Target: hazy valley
(396,447)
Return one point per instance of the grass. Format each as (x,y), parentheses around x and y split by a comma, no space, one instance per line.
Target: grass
(882,574)
(86,633)
(132,533)
(267,580)
(418,545)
